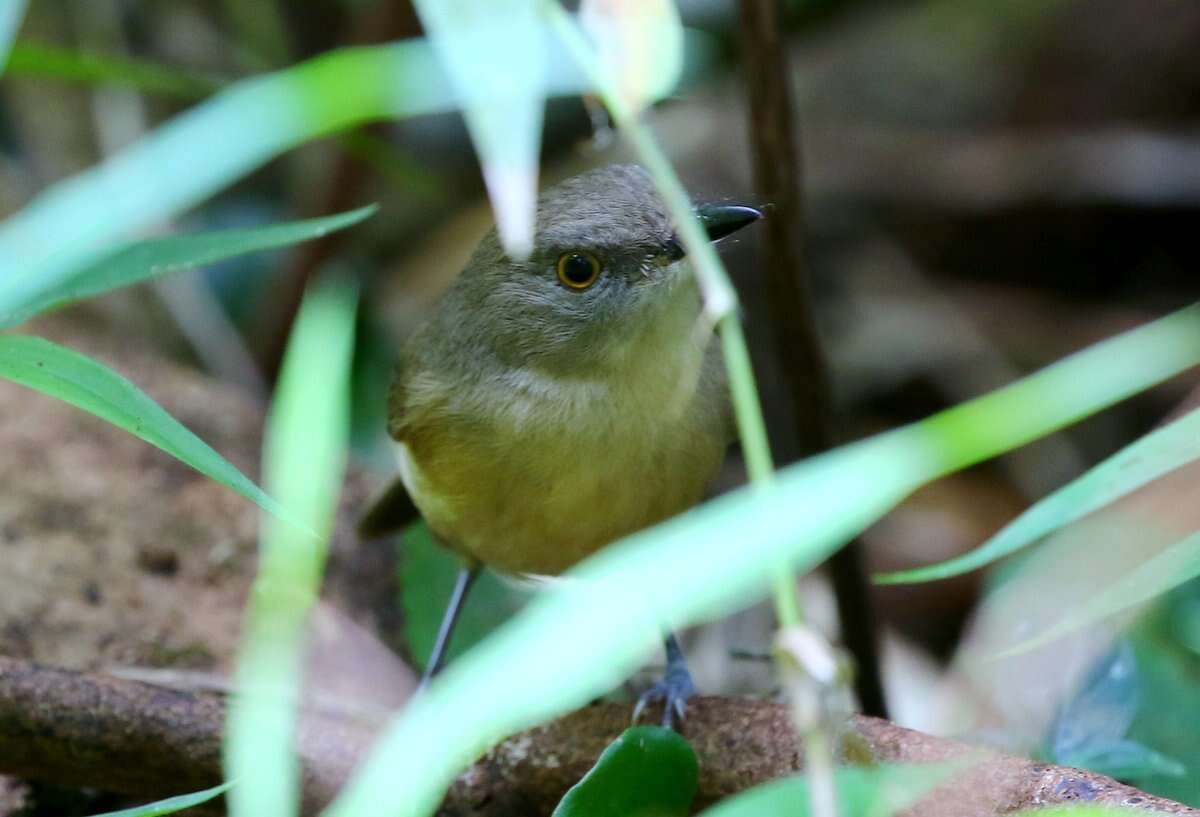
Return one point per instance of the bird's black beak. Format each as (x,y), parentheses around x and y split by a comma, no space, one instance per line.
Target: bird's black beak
(721,220)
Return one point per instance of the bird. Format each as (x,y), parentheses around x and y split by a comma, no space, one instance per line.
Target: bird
(553,404)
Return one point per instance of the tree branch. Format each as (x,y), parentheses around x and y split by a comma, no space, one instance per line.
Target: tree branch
(87,729)
(779,178)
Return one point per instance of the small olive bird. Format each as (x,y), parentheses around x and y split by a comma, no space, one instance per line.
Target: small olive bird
(552,405)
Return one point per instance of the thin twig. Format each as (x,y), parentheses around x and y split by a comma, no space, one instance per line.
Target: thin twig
(778,171)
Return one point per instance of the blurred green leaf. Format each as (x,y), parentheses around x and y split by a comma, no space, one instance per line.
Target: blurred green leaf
(169,805)
(210,146)
(878,791)
(11,14)
(1167,569)
(39,60)
(1168,670)
(648,771)
(495,53)
(1090,730)
(155,257)
(427,574)
(1159,452)
(585,634)
(304,460)
(73,378)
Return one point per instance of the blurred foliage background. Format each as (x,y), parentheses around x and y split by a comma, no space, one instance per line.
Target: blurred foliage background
(992,184)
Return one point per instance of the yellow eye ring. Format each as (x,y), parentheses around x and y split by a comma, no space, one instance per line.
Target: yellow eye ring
(578,269)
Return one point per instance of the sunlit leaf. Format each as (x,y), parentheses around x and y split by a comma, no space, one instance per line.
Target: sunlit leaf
(639,43)
(1159,452)
(144,260)
(69,376)
(1170,567)
(40,60)
(427,574)
(11,14)
(169,805)
(304,460)
(649,771)
(495,53)
(878,791)
(584,635)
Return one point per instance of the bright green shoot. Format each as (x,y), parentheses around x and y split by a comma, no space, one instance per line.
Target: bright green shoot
(580,639)
(304,462)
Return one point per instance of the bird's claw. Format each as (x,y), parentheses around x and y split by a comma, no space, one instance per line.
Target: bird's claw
(674,690)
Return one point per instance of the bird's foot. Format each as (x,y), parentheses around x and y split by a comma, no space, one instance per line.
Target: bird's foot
(674,690)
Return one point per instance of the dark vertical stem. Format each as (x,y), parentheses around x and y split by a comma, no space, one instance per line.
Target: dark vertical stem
(778,175)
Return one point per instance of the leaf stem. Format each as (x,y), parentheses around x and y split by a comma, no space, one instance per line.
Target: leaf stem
(720,298)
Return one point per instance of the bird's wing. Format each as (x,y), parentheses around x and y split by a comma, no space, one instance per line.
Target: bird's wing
(390,512)
(394,509)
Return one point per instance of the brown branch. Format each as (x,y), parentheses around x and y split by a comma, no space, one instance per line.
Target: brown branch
(779,178)
(87,729)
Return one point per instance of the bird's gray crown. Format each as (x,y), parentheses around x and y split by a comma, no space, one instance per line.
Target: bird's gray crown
(610,208)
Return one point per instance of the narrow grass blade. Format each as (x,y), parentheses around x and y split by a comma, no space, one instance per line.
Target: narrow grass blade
(495,53)
(39,60)
(584,636)
(879,791)
(1167,569)
(1134,466)
(304,462)
(144,260)
(73,378)
(170,805)
(11,14)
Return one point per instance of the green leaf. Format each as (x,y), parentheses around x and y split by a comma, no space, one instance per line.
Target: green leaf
(144,260)
(169,805)
(39,60)
(648,771)
(584,635)
(73,378)
(427,574)
(862,792)
(213,144)
(1134,466)
(304,461)
(11,14)
(1167,569)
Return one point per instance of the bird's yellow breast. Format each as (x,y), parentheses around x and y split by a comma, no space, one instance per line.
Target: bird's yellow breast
(538,483)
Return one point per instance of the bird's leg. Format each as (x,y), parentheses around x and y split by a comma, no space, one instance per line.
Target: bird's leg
(462,585)
(674,690)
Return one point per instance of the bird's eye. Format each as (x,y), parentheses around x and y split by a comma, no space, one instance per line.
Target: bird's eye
(578,269)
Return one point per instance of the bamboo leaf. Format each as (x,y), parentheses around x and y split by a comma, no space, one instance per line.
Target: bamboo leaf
(144,260)
(170,805)
(73,378)
(11,14)
(1167,569)
(304,461)
(1134,466)
(583,636)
